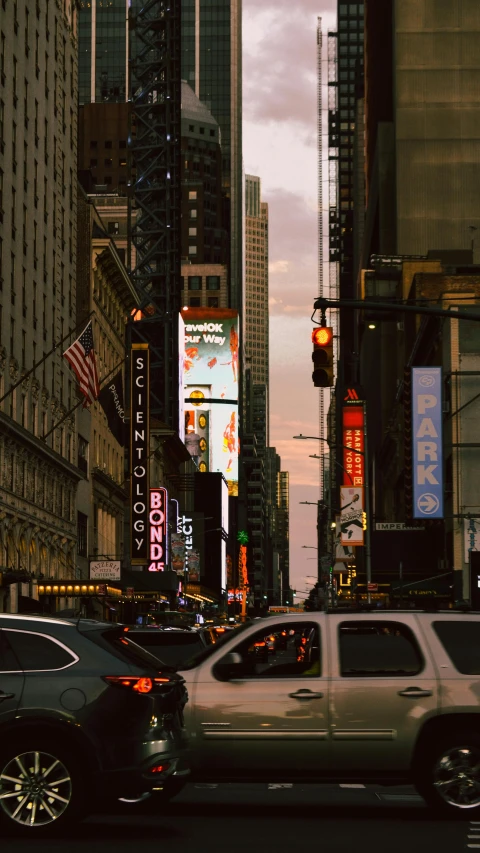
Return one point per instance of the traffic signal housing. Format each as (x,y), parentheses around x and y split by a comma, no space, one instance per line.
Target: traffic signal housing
(322,357)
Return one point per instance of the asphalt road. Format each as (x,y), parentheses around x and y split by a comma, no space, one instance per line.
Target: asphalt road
(269,819)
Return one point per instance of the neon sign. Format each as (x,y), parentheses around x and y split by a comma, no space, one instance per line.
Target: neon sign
(158,519)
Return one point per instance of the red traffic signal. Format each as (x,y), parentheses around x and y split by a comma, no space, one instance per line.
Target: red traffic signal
(322,357)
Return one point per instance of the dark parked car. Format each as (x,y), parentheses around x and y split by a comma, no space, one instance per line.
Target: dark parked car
(173,646)
(85,715)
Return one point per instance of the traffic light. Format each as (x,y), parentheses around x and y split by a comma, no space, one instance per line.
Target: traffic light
(322,357)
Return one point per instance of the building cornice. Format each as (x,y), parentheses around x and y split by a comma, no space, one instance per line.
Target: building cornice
(14,432)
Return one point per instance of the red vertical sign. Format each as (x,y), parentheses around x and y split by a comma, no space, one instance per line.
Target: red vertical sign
(354,440)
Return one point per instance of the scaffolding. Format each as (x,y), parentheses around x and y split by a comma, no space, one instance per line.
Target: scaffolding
(156,193)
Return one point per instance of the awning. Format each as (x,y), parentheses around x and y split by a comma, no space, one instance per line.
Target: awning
(438,586)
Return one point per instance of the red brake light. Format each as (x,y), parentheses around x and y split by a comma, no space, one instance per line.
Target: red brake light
(139,684)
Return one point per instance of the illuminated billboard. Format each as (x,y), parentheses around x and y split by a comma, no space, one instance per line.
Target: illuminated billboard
(210,374)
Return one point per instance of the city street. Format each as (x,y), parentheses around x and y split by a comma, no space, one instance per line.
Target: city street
(234,818)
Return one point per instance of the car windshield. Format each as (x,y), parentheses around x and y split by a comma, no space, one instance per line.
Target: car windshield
(205,652)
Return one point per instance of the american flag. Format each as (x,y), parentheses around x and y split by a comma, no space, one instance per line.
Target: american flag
(81,357)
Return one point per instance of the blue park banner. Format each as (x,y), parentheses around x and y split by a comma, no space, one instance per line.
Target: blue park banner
(427,442)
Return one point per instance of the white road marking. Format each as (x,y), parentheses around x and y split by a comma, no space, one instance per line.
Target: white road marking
(273,785)
(352,786)
(206,785)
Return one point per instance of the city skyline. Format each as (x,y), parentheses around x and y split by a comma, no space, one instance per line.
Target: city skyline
(280,145)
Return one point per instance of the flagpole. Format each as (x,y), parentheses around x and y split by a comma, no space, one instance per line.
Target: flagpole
(32,369)
(60,422)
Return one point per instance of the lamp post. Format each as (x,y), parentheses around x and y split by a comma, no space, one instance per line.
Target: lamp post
(364,453)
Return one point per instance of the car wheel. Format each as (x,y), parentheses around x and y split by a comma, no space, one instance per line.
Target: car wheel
(449,776)
(41,789)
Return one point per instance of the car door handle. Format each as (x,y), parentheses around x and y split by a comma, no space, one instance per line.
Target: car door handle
(6,695)
(306,694)
(414,692)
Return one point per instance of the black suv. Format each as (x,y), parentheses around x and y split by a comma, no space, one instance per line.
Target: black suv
(85,715)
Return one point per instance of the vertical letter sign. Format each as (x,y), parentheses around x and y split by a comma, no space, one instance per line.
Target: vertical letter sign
(158,530)
(427,442)
(139,443)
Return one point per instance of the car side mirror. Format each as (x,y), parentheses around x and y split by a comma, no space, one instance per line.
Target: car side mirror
(232,659)
(227,666)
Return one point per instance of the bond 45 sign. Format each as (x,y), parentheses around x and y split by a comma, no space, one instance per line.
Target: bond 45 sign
(158,530)
(427,442)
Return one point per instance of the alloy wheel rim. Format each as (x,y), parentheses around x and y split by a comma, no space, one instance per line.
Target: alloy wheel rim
(35,788)
(456,777)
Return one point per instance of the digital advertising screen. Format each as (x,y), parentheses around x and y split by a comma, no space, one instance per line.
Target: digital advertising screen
(210,378)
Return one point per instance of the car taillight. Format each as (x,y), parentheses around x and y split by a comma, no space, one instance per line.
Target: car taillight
(139,684)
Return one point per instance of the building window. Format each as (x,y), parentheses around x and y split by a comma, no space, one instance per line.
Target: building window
(213,282)
(194,282)
(82,528)
(82,460)
(192,195)
(195,302)
(213,302)
(192,232)
(193,213)
(113,227)
(192,250)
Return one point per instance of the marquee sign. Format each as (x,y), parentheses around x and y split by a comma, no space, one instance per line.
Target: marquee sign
(139,451)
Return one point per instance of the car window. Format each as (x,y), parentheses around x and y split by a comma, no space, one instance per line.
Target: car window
(461,641)
(8,661)
(226,639)
(171,648)
(378,648)
(38,653)
(287,650)
(117,641)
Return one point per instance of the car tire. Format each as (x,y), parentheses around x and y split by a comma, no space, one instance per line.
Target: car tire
(42,789)
(448,775)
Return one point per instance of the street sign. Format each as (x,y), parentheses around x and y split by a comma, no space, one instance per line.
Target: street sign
(427,442)
(372,587)
(105,570)
(395,525)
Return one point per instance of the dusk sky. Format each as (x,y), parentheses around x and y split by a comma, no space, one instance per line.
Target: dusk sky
(280,146)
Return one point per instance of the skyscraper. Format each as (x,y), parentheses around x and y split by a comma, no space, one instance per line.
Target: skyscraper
(256,281)
(212,65)
(345,59)
(38,164)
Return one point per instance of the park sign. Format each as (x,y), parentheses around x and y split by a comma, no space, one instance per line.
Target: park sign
(427,442)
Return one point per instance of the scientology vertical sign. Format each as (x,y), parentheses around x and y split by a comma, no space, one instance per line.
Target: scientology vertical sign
(139,451)
(427,442)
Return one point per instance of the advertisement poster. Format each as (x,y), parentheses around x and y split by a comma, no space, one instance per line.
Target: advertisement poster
(177,552)
(194,566)
(471,530)
(351,515)
(210,374)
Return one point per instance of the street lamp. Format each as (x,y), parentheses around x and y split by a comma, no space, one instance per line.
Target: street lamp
(364,453)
